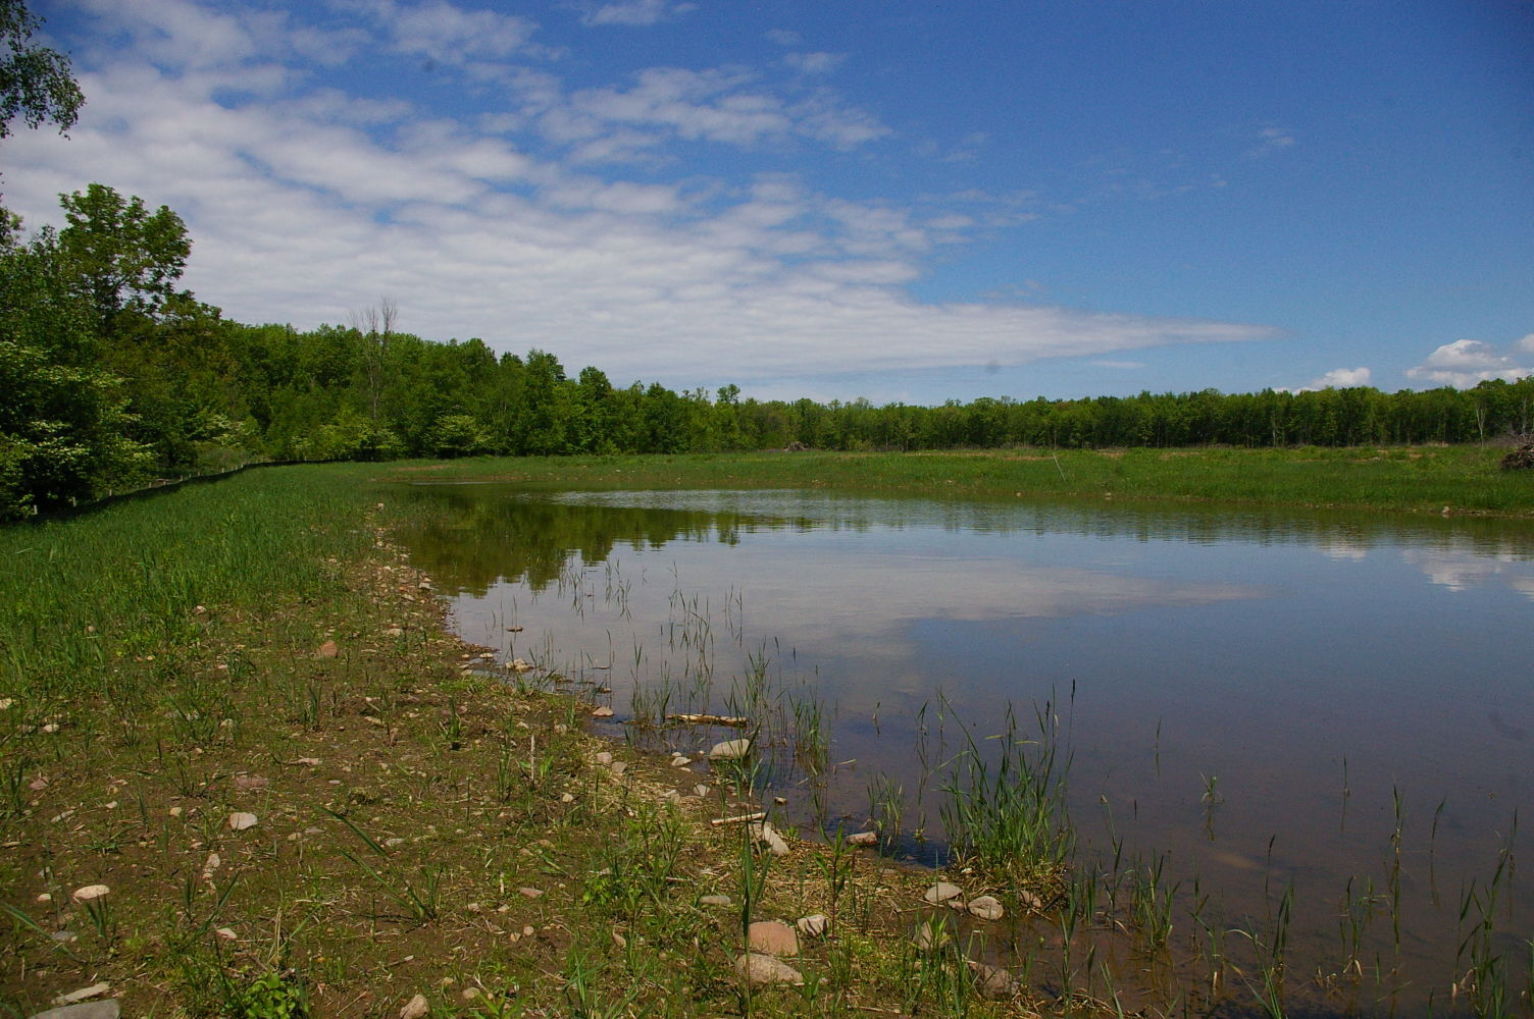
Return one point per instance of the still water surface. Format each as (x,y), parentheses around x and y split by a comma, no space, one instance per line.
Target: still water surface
(1270,700)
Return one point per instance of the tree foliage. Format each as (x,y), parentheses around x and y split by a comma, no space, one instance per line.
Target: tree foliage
(36,83)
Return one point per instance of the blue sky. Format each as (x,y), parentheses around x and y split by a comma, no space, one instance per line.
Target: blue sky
(896,200)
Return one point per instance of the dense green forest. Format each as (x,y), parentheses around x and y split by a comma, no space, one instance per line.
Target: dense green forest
(113,377)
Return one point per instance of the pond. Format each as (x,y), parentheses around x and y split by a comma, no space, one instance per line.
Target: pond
(1317,726)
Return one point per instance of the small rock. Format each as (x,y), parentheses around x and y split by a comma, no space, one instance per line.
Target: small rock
(309,762)
(942,891)
(176,811)
(227,933)
(602,712)
(83,994)
(930,934)
(1030,901)
(531,893)
(394,631)
(814,926)
(757,970)
(772,937)
(240,820)
(700,790)
(863,838)
(108,1009)
(566,798)
(415,1008)
(680,760)
(89,894)
(38,784)
(64,937)
(994,981)
(250,782)
(518,665)
(714,900)
(730,750)
(329,649)
(604,759)
(513,629)
(986,907)
(768,836)
(619,767)
(45,897)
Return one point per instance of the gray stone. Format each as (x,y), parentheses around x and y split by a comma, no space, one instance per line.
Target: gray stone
(813,926)
(758,970)
(942,891)
(994,982)
(730,750)
(108,1009)
(714,900)
(986,907)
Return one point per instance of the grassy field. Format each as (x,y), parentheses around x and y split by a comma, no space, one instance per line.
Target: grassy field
(1423,479)
(234,707)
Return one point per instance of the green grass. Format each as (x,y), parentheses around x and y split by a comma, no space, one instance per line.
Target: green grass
(1419,479)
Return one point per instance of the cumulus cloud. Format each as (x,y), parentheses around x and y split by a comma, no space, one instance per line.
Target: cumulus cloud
(1337,378)
(1464,363)
(310,201)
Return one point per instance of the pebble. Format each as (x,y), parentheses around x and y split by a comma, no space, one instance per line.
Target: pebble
(730,750)
(757,969)
(240,820)
(995,982)
(415,1008)
(986,907)
(942,891)
(84,993)
(531,893)
(813,926)
(680,760)
(329,649)
(772,937)
(602,712)
(768,836)
(863,838)
(108,1009)
(89,893)
(714,900)
(604,758)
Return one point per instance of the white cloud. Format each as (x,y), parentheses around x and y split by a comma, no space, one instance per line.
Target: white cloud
(634,12)
(815,63)
(1464,363)
(1337,378)
(312,203)
(1270,141)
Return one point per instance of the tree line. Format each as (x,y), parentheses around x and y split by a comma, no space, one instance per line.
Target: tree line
(113,376)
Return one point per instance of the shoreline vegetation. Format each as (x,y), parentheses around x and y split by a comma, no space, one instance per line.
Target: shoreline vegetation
(245,771)
(1443,480)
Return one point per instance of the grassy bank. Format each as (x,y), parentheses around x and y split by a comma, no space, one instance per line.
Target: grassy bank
(233,708)
(1423,479)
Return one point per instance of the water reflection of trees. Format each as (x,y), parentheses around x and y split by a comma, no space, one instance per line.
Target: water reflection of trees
(472,538)
(474,535)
